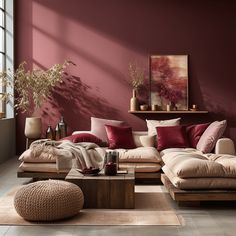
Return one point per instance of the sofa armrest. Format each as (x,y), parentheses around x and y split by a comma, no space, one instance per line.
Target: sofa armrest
(225,146)
(82,132)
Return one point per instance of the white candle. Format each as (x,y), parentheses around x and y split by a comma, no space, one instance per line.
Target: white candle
(168,107)
(194,106)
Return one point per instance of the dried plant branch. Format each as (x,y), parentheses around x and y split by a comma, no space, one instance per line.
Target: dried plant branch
(35,85)
(136,74)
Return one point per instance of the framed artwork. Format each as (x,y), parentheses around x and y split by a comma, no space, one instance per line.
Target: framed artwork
(169,81)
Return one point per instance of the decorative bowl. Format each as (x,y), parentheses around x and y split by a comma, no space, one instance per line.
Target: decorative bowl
(92,171)
(144,107)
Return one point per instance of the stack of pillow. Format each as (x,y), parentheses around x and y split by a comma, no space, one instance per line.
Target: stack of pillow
(143,150)
(161,134)
(202,137)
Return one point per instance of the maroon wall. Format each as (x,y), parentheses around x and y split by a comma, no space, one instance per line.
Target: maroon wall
(103,36)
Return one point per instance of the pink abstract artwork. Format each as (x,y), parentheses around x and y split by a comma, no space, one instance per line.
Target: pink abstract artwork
(169,81)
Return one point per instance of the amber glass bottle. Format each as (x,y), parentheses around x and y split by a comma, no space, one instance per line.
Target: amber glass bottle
(57,132)
(63,128)
(49,133)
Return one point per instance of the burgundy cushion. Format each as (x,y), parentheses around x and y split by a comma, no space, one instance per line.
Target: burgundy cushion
(83,137)
(195,132)
(120,137)
(171,137)
(98,126)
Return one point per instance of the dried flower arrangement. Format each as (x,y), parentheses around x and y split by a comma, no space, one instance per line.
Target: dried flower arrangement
(136,74)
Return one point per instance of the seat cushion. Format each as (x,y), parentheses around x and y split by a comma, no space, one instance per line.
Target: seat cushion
(141,154)
(142,167)
(41,167)
(199,183)
(40,157)
(186,150)
(186,165)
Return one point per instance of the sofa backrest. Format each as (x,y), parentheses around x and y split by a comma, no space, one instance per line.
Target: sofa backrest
(136,135)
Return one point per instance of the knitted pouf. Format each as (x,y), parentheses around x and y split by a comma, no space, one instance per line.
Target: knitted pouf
(48,200)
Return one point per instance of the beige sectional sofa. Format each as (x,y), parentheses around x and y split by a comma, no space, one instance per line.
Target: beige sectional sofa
(145,159)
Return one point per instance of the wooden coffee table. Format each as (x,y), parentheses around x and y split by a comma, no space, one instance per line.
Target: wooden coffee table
(101,191)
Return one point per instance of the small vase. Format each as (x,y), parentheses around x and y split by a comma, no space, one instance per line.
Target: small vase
(173,106)
(134,102)
(33,127)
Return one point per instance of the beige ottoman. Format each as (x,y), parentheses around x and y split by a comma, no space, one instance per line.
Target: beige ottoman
(48,200)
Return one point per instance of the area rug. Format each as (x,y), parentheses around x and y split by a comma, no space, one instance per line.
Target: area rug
(152,207)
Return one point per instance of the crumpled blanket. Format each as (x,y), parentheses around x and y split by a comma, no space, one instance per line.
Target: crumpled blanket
(84,155)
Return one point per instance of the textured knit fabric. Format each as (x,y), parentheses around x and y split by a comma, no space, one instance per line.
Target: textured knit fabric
(48,200)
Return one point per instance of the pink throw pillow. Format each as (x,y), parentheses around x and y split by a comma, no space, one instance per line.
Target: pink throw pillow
(120,137)
(98,127)
(171,137)
(83,137)
(209,138)
(195,132)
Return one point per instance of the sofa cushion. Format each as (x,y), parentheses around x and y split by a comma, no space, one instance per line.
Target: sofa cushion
(209,138)
(195,132)
(172,137)
(39,157)
(147,141)
(137,135)
(41,167)
(83,137)
(141,167)
(120,137)
(140,154)
(199,183)
(98,126)
(152,124)
(185,165)
(185,150)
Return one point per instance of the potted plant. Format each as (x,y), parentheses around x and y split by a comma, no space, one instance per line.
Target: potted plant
(32,88)
(137,77)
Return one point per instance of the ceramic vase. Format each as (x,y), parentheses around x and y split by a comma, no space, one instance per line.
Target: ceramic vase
(134,102)
(33,127)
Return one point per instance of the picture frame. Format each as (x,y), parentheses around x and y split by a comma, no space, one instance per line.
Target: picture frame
(169,81)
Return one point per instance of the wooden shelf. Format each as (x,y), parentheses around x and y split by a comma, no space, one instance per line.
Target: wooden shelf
(168,112)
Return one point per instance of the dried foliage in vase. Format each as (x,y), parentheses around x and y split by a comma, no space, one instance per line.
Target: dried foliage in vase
(32,87)
(136,74)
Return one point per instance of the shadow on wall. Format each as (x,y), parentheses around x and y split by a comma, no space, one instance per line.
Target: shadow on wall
(75,101)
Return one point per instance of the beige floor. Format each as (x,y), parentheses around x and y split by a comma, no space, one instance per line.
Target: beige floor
(211,220)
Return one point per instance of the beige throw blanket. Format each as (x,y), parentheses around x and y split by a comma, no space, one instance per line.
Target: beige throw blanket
(83,154)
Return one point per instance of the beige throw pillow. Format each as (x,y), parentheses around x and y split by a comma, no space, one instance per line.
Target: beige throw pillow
(147,141)
(152,124)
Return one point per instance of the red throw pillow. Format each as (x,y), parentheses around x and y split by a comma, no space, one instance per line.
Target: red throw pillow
(195,132)
(83,137)
(171,137)
(120,137)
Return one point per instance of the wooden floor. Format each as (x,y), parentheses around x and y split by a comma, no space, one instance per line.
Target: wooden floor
(210,220)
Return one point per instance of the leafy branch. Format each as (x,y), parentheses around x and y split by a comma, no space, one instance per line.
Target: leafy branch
(32,87)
